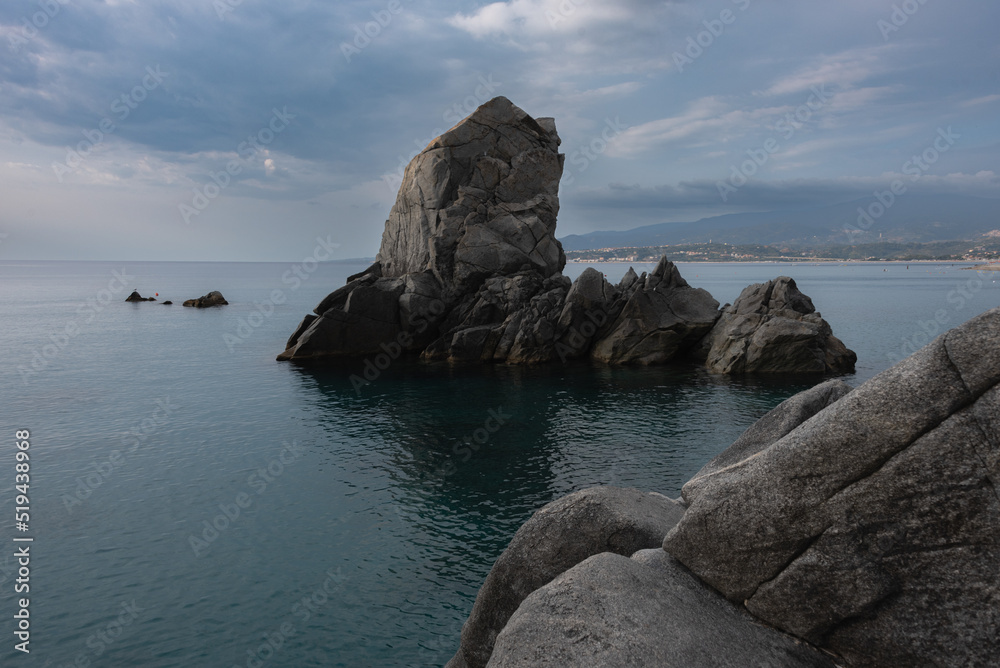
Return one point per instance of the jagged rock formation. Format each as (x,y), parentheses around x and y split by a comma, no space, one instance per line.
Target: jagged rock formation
(662,317)
(772,327)
(864,523)
(213,298)
(469,270)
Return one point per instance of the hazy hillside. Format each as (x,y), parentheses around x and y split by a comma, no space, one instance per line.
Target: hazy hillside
(912,218)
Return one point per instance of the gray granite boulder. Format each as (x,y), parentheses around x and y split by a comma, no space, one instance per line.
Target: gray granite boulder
(788,415)
(873,528)
(556,538)
(773,328)
(644,612)
(662,319)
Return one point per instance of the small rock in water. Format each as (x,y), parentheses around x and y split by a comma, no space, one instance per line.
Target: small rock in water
(213,298)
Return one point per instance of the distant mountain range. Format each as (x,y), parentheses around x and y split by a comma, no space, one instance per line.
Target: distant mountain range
(910,218)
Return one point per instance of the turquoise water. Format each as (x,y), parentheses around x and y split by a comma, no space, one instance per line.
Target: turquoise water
(351,528)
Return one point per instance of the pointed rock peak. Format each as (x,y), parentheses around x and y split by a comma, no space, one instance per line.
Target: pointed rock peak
(786,295)
(778,294)
(666,276)
(628,280)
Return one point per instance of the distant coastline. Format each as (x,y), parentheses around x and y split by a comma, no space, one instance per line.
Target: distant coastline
(978,251)
(985,267)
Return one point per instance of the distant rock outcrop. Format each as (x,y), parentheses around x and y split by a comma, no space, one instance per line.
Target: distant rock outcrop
(136,297)
(213,298)
(773,328)
(469,270)
(480,201)
(468,244)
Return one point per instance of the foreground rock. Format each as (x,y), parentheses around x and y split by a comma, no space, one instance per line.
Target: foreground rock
(645,612)
(556,538)
(788,415)
(873,528)
(773,328)
(469,270)
(864,522)
(213,298)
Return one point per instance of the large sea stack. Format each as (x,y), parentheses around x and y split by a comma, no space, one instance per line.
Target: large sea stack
(469,270)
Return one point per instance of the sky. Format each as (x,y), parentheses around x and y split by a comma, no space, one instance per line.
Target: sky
(246,130)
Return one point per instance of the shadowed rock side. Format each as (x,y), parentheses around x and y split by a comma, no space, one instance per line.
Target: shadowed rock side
(469,270)
(873,529)
(661,317)
(773,328)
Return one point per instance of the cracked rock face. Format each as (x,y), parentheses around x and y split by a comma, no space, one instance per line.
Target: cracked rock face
(469,267)
(480,200)
(873,528)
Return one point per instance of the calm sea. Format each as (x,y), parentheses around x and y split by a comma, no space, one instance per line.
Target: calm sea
(195,503)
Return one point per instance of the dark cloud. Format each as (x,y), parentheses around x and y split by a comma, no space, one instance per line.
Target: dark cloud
(359,114)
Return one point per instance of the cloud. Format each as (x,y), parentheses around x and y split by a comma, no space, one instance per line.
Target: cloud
(986,99)
(522,22)
(842,70)
(569,38)
(711,120)
(766,195)
(587,63)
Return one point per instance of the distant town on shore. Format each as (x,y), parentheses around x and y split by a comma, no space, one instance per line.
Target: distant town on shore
(983,250)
